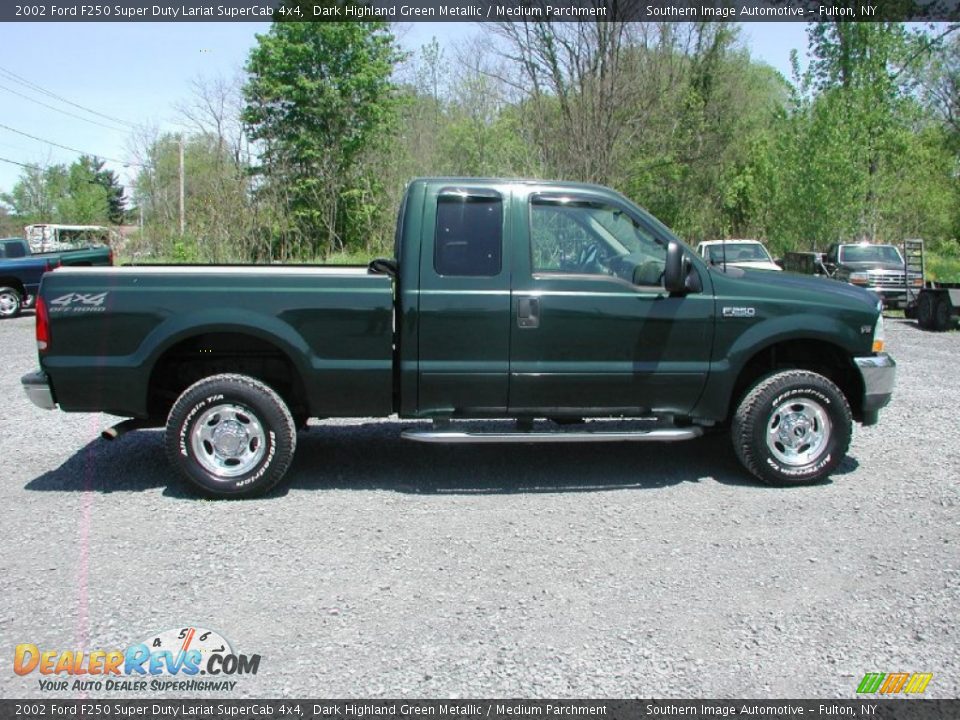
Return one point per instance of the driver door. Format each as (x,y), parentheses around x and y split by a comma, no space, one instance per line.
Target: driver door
(593,332)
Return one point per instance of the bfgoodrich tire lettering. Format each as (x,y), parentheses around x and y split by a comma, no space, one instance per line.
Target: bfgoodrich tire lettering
(792,428)
(231,436)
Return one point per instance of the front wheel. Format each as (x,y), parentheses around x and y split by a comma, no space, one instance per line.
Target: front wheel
(10,302)
(792,428)
(231,436)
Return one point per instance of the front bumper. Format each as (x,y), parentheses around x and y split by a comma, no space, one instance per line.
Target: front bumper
(891,298)
(37,387)
(879,373)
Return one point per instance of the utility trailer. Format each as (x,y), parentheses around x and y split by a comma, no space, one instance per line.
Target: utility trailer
(935,304)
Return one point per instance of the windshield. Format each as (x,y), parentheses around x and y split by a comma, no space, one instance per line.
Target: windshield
(870,253)
(738,252)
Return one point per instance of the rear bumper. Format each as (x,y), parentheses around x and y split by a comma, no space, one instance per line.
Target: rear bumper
(37,387)
(879,374)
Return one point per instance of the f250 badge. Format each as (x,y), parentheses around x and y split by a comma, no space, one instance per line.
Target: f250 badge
(79,303)
(739,312)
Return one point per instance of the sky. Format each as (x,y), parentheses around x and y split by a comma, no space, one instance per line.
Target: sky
(135,74)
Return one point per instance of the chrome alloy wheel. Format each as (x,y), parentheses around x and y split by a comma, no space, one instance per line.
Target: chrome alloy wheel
(798,432)
(228,440)
(9,303)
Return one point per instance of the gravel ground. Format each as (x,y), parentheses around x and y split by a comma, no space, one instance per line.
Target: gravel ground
(386,568)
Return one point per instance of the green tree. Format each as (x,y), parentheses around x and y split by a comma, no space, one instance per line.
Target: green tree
(74,194)
(116,200)
(9,226)
(34,195)
(848,125)
(319,96)
(85,200)
(222,222)
(700,164)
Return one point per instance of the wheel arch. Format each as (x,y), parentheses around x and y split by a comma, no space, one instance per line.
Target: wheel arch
(814,354)
(204,350)
(15,283)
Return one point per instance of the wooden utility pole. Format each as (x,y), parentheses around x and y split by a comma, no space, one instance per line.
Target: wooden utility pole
(183,223)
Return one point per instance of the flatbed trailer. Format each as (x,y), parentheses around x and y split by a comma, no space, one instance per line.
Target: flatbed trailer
(935,304)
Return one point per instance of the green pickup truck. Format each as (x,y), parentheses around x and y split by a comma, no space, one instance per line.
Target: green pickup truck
(559,306)
(21,270)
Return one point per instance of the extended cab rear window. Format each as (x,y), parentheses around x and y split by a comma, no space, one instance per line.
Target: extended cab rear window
(469,237)
(11,250)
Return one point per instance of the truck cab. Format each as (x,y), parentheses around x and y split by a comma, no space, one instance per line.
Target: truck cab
(536,297)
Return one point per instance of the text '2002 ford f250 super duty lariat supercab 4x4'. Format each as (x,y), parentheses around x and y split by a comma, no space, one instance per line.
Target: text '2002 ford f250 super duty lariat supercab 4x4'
(505,299)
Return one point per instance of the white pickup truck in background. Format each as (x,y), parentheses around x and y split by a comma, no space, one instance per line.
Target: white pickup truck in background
(751,254)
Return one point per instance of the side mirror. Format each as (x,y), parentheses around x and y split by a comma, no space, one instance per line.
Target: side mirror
(384,266)
(679,274)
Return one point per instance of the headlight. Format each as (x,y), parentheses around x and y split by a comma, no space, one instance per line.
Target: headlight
(878,336)
(859,278)
(917,282)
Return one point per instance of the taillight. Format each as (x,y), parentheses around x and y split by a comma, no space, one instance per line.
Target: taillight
(43,325)
(110,257)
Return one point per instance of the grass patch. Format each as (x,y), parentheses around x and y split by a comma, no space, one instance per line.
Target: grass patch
(349,258)
(944,269)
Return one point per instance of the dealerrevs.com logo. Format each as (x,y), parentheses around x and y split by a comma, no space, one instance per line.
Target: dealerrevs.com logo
(179,660)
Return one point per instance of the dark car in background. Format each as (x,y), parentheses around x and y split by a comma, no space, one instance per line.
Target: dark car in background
(879,268)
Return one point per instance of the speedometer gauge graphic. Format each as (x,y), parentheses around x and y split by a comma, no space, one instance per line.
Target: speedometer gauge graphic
(179,641)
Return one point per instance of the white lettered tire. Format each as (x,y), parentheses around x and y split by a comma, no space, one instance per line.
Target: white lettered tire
(231,436)
(792,428)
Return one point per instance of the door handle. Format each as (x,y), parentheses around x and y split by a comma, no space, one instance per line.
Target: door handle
(528,312)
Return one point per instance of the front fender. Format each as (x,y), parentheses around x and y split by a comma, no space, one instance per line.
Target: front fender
(800,326)
(731,357)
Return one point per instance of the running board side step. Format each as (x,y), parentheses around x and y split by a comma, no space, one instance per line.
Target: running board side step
(656,435)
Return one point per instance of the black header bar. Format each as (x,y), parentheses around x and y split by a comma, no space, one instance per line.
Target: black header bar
(480,10)
(867,708)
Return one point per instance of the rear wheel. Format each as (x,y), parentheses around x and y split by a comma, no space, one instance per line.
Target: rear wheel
(231,436)
(941,314)
(10,302)
(792,428)
(925,311)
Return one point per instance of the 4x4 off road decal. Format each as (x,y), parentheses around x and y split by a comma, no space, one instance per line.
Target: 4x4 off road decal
(79,303)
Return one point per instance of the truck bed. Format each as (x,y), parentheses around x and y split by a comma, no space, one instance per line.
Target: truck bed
(330,328)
